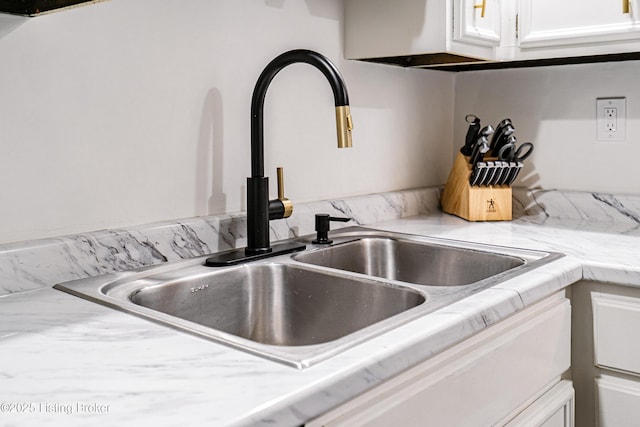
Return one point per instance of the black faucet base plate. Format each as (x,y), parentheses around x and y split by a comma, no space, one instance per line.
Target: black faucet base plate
(238,256)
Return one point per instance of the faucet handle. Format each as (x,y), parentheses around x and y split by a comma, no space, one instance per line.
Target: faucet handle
(280,207)
(280,174)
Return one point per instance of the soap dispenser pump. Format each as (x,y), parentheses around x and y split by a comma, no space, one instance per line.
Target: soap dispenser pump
(323,226)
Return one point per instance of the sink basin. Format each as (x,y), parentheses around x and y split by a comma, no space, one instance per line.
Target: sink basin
(278,304)
(414,262)
(304,308)
(275,308)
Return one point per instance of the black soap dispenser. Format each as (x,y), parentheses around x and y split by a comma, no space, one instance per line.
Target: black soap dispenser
(322,228)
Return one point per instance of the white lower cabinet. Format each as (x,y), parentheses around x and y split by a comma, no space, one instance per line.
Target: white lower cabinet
(618,401)
(507,371)
(616,331)
(556,408)
(606,354)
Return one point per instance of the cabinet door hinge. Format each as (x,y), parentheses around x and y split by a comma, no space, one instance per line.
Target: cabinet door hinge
(516,26)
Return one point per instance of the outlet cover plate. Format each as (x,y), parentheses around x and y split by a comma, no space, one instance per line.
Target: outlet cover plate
(611,119)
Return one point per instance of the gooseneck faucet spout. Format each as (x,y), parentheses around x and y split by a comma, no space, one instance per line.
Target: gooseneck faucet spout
(259,209)
(343,116)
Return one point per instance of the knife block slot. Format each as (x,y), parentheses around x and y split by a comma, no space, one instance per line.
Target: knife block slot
(492,203)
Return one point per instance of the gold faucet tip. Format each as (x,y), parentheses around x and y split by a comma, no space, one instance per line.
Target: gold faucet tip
(344,125)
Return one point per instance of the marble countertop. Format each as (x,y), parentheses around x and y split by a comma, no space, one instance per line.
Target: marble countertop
(67,361)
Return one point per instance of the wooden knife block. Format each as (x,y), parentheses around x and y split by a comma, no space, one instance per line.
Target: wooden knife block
(491,203)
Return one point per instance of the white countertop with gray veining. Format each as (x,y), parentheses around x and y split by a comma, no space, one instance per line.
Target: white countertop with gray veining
(66,361)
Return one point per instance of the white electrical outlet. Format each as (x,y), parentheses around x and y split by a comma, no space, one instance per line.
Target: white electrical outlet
(610,119)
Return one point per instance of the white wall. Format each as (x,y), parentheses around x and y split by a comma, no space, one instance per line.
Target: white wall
(133,111)
(555,107)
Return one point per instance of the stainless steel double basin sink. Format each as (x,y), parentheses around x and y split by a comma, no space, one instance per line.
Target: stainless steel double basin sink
(303,308)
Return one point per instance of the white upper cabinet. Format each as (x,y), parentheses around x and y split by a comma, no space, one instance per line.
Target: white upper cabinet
(552,28)
(443,31)
(477,22)
(427,33)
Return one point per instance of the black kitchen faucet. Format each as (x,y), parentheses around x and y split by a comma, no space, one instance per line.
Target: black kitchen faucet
(259,208)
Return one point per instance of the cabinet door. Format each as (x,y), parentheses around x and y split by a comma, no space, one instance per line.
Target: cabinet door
(477,22)
(605,354)
(554,409)
(549,23)
(478,382)
(616,332)
(618,401)
(433,32)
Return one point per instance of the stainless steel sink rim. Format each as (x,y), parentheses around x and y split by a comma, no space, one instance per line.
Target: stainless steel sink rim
(101,292)
(115,291)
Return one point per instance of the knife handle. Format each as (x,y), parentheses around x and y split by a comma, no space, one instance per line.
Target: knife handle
(491,172)
(506,172)
(477,173)
(514,173)
(487,131)
(506,137)
(505,140)
(497,166)
(472,134)
(499,129)
(479,150)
